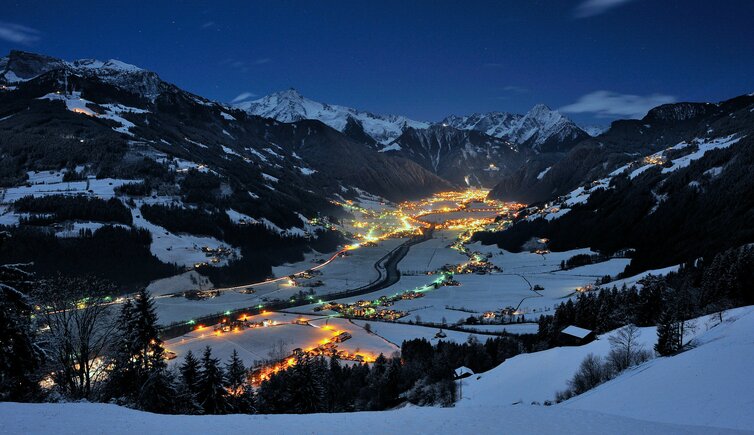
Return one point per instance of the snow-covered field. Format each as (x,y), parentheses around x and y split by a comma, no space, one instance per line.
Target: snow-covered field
(709,385)
(252,344)
(398,332)
(256,344)
(47,183)
(492,292)
(431,255)
(707,389)
(352,271)
(190,280)
(181,249)
(90,418)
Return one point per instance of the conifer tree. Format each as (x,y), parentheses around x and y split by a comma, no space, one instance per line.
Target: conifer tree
(240,395)
(19,354)
(145,341)
(668,335)
(212,396)
(235,372)
(305,387)
(158,393)
(190,372)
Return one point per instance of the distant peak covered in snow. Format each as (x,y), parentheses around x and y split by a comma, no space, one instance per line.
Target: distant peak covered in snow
(20,66)
(594,130)
(542,128)
(290,106)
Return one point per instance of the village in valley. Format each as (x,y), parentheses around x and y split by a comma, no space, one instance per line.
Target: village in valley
(328,305)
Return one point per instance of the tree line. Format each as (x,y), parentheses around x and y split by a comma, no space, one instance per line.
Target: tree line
(121,255)
(75,207)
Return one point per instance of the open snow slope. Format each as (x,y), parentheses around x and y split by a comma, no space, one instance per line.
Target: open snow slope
(707,389)
(709,385)
(85,418)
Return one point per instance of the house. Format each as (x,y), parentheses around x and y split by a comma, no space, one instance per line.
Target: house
(463,372)
(574,336)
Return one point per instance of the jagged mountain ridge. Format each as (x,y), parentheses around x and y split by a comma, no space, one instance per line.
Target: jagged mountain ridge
(541,129)
(291,106)
(473,150)
(465,157)
(21,66)
(146,109)
(664,126)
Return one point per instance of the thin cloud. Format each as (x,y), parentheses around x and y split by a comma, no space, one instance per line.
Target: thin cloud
(18,33)
(590,8)
(515,89)
(208,24)
(243,96)
(244,66)
(606,104)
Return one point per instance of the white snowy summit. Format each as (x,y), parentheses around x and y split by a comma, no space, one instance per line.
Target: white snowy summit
(291,106)
(542,128)
(20,66)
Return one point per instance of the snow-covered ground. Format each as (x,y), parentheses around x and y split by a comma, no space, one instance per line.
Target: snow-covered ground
(256,344)
(432,254)
(709,385)
(190,280)
(88,418)
(707,389)
(181,249)
(252,344)
(352,271)
(398,332)
(101,188)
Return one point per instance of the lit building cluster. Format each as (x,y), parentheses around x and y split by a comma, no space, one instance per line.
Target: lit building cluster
(470,209)
(327,347)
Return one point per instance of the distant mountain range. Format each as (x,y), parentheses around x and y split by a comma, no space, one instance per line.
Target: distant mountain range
(541,129)
(291,106)
(466,150)
(282,159)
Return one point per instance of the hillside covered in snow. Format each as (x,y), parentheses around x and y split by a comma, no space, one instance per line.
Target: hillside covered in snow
(706,389)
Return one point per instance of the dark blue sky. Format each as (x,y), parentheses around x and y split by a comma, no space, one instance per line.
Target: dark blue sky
(597,59)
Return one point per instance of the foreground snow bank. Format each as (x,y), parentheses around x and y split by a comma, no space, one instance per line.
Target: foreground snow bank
(710,385)
(708,389)
(82,418)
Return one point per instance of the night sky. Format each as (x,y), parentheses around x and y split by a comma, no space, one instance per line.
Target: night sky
(597,60)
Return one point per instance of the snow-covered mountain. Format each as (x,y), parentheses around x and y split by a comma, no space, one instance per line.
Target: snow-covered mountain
(594,130)
(464,157)
(20,66)
(291,106)
(542,129)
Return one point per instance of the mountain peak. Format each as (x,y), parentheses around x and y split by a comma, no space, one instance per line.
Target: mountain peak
(540,108)
(290,93)
(290,106)
(20,66)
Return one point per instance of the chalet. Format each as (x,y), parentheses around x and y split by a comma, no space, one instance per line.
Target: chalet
(462,372)
(574,336)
